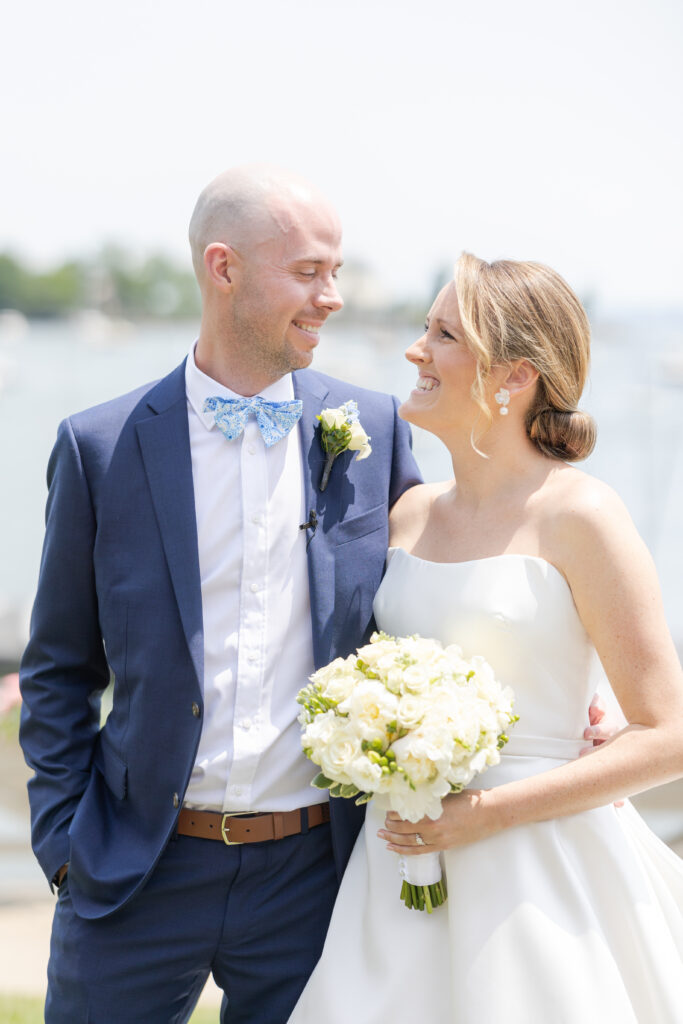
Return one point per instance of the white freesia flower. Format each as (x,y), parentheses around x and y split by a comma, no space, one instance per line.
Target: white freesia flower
(365,774)
(319,733)
(479,761)
(423,803)
(335,668)
(424,754)
(339,687)
(370,707)
(338,679)
(393,679)
(378,650)
(424,652)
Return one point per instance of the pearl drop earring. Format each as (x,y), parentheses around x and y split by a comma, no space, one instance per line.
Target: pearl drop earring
(503,399)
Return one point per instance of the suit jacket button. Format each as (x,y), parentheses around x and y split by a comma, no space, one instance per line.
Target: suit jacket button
(195,709)
(176,801)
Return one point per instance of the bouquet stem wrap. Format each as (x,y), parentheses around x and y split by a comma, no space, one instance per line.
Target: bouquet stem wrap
(423,886)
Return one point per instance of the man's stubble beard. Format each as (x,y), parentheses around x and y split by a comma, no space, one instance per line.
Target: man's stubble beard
(266,355)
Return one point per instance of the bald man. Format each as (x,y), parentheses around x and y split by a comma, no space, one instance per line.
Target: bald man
(191,555)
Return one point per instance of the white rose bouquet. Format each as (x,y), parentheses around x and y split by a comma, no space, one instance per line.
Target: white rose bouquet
(410,720)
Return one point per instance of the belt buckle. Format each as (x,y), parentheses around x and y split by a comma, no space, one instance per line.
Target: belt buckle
(225,829)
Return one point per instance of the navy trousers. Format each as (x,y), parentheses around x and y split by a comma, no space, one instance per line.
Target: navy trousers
(255,916)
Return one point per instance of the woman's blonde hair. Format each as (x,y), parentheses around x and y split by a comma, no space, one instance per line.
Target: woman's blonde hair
(512,310)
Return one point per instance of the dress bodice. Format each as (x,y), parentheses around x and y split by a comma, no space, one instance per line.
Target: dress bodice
(517,611)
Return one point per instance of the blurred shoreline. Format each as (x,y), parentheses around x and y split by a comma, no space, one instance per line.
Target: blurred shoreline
(52,368)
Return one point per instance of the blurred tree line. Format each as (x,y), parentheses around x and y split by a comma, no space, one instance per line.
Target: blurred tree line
(120,285)
(114,282)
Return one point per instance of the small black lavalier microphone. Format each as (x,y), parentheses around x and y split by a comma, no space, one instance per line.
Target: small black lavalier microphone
(311,525)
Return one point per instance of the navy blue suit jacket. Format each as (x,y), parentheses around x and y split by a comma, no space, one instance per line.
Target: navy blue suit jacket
(119,592)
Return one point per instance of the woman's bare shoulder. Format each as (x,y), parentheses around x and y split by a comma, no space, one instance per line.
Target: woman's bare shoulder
(410,513)
(582,514)
(575,496)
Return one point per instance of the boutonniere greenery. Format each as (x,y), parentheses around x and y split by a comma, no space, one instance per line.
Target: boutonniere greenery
(341,429)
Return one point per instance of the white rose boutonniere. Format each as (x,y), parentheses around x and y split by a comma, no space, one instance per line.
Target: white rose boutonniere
(341,429)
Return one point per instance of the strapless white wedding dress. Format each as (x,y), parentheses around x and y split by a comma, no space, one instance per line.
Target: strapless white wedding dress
(578,920)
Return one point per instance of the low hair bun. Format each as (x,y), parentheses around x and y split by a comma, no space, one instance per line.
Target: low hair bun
(567,435)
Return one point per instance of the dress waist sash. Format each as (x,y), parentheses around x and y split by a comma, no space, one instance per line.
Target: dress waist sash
(544,746)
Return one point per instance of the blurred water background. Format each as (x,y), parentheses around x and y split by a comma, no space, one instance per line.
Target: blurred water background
(51,368)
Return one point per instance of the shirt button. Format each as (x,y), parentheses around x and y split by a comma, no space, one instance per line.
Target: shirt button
(176,801)
(254,588)
(246,723)
(195,709)
(257,520)
(251,449)
(236,790)
(252,656)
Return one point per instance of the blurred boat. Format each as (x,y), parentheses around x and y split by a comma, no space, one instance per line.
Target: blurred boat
(8,370)
(670,370)
(14,327)
(100,330)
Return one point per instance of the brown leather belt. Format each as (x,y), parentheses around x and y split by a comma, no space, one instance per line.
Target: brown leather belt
(243,827)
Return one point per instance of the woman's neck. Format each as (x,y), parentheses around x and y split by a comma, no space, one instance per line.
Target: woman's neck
(510,462)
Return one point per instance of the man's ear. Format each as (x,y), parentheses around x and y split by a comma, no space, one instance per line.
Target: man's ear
(521,376)
(220,262)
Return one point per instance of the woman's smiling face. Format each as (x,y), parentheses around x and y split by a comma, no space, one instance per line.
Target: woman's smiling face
(442,399)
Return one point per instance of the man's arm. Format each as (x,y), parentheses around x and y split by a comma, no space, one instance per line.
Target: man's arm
(64,666)
(404,469)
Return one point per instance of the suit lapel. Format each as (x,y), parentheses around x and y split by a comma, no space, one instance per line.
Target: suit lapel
(165,445)
(321,549)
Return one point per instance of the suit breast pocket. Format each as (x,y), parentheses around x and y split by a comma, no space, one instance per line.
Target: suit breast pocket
(361,526)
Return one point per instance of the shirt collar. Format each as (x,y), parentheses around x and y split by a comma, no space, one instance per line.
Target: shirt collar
(199,387)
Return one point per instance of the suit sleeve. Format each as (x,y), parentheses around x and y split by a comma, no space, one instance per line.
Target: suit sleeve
(404,468)
(64,668)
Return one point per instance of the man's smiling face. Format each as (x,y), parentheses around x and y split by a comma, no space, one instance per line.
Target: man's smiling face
(287,286)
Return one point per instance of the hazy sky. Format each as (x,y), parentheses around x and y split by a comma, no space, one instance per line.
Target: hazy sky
(530,129)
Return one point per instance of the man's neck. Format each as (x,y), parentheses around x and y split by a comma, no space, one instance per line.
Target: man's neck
(243,380)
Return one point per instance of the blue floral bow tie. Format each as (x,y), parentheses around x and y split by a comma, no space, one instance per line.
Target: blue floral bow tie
(275,419)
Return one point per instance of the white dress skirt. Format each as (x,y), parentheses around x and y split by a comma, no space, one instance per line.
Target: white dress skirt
(577,920)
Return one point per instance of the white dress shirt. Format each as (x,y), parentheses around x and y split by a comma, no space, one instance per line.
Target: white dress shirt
(258,645)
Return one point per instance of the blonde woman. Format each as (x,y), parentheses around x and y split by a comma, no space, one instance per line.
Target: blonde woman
(563,908)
